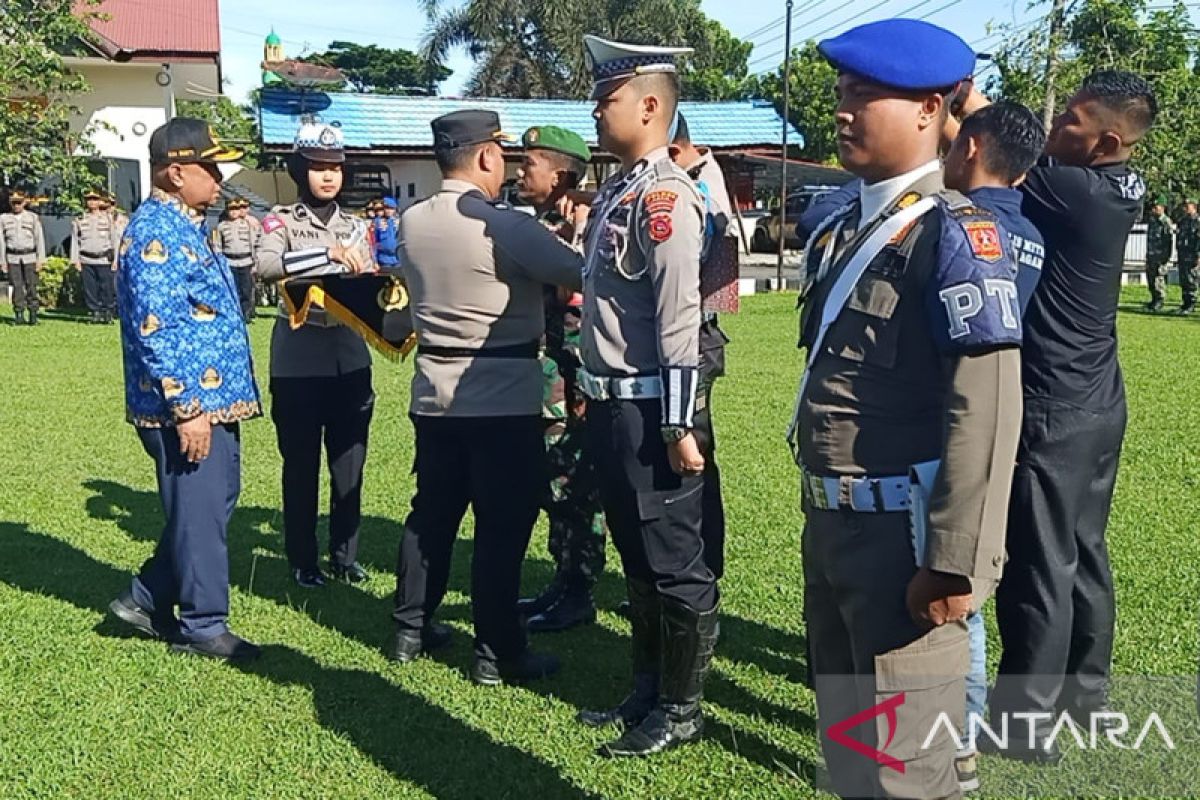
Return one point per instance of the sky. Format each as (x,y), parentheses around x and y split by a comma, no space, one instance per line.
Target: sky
(309,25)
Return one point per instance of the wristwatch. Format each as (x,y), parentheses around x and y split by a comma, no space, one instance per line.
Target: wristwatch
(673,433)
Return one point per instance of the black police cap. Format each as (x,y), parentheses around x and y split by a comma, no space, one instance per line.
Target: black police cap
(188,140)
(467,127)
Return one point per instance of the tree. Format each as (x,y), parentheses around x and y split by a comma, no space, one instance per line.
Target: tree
(379,70)
(534,48)
(811,101)
(1153,41)
(233,123)
(36,142)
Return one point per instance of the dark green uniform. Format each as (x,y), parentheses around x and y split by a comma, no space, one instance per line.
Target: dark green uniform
(1160,237)
(1188,246)
(572,503)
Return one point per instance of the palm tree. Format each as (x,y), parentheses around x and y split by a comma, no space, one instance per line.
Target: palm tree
(534,48)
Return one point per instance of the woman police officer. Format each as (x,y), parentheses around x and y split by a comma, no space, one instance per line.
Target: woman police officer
(320,371)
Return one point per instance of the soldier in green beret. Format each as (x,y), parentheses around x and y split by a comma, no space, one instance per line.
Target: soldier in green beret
(555,163)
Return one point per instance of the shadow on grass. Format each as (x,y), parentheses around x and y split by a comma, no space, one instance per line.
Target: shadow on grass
(405,734)
(593,650)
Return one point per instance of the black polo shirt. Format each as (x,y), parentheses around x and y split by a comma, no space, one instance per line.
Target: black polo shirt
(1084,214)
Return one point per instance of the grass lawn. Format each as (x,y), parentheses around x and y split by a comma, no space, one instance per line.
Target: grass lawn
(87,711)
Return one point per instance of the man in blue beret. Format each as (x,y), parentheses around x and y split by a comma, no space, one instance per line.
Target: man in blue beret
(906,422)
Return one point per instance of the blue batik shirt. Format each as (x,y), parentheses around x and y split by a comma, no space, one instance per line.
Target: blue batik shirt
(183,339)
(1029,250)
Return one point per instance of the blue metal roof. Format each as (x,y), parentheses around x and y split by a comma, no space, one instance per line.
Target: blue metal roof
(382,122)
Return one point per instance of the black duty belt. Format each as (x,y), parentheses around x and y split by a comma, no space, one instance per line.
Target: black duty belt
(28,252)
(238,256)
(104,254)
(525,350)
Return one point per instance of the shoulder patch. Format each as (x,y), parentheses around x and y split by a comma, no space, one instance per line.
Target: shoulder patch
(661,201)
(659,226)
(271,223)
(984,239)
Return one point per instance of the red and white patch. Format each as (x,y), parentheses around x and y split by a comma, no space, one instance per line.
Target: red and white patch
(660,227)
(661,201)
(984,238)
(271,223)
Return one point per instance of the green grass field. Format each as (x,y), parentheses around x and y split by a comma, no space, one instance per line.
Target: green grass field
(88,711)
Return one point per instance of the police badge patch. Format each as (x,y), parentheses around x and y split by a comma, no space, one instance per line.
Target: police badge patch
(660,204)
(984,238)
(271,223)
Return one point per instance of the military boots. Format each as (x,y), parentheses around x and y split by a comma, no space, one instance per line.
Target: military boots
(645,616)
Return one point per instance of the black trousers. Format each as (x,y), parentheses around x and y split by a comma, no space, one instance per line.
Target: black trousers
(243,278)
(497,466)
(24,280)
(99,289)
(653,513)
(712,523)
(1055,604)
(307,411)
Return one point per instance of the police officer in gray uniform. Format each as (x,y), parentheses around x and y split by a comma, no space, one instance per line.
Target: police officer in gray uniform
(641,351)
(475,270)
(22,253)
(237,237)
(93,252)
(321,371)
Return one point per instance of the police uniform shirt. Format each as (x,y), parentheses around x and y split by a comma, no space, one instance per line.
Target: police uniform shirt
(237,239)
(21,238)
(891,386)
(1028,248)
(475,272)
(94,238)
(707,171)
(293,241)
(641,297)
(1085,215)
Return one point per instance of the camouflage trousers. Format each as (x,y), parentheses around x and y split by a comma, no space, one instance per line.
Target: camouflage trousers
(1189,276)
(1157,267)
(572,500)
(573,508)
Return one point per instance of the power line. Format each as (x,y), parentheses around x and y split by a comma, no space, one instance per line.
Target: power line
(764,29)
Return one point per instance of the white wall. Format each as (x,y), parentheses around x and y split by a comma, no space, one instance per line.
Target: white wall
(125,105)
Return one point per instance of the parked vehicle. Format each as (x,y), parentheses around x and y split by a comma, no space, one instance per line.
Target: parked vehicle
(766,231)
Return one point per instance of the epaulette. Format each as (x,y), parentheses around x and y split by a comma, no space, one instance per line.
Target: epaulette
(959,205)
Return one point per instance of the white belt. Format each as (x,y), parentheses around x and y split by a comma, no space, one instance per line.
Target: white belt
(632,387)
(866,494)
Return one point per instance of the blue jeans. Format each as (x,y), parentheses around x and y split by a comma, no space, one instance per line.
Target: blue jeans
(977,676)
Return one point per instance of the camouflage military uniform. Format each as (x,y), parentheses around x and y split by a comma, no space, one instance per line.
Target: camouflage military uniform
(1160,236)
(1188,245)
(573,501)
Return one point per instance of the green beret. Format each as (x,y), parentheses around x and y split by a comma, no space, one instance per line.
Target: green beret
(552,137)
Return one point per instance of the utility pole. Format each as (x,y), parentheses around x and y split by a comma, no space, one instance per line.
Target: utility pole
(1057,14)
(783,160)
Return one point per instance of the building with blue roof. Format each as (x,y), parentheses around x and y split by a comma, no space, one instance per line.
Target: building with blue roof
(390,145)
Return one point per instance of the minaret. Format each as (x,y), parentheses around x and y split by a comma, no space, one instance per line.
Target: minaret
(272,53)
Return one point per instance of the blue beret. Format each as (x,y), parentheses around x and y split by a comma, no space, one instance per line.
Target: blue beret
(901,53)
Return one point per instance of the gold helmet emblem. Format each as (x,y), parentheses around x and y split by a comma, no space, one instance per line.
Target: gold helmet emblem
(171,388)
(211,379)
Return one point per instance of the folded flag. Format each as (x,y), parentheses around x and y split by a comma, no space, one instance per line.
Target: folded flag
(373,305)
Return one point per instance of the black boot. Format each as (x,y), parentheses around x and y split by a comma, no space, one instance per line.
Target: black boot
(529,606)
(573,607)
(18,318)
(33,320)
(689,638)
(645,617)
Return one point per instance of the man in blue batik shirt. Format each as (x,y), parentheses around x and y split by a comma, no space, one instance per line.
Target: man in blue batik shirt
(188,384)
(387,230)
